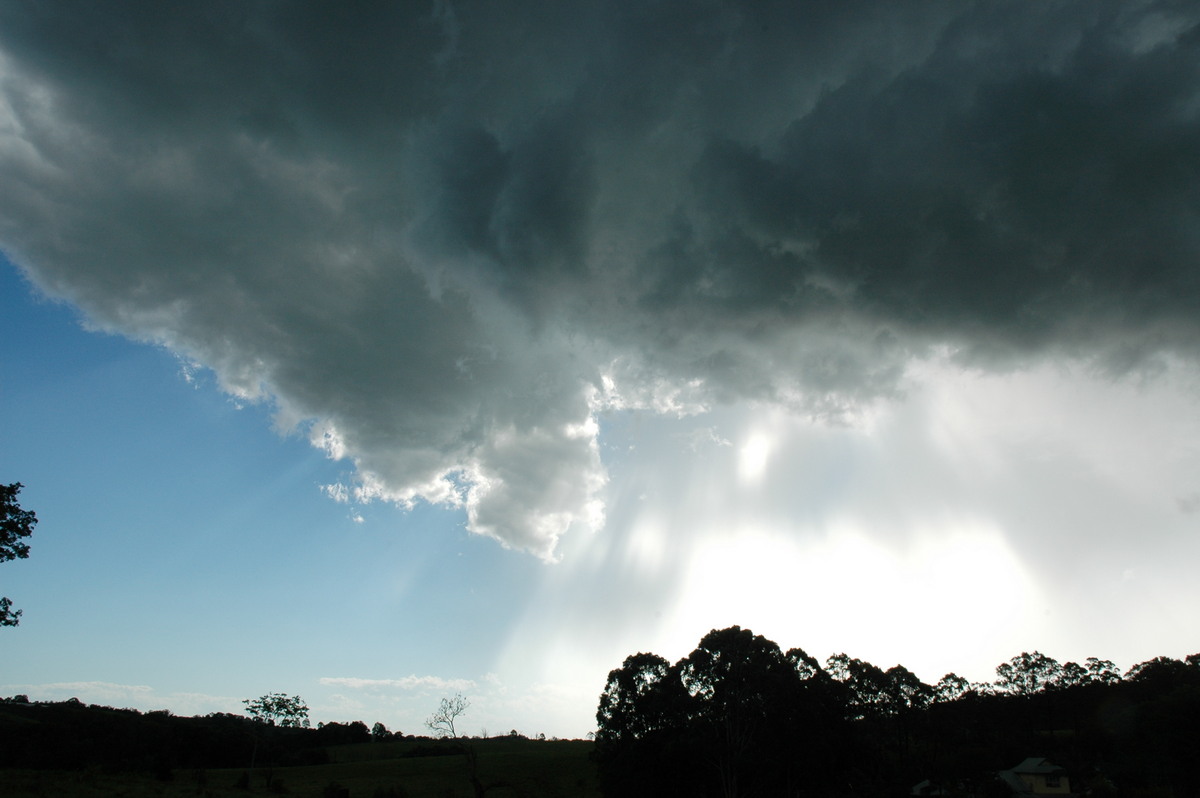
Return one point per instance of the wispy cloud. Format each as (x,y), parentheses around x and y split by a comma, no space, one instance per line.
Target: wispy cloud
(132,696)
(404,683)
(106,690)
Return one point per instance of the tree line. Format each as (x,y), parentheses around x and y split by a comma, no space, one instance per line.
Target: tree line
(740,716)
(71,735)
(275,732)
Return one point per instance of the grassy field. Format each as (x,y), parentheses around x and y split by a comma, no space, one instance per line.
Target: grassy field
(511,767)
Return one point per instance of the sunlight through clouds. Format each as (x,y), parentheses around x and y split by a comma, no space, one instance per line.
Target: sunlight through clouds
(648,546)
(917,538)
(941,600)
(753,458)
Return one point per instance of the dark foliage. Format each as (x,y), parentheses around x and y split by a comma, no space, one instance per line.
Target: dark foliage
(342,733)
(73,736)
(70,735)
(16,524)
(739,717)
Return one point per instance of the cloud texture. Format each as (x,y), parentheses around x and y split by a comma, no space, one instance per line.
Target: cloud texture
(442,239)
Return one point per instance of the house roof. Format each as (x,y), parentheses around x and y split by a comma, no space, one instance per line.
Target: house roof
(1037,764)
(1034,765)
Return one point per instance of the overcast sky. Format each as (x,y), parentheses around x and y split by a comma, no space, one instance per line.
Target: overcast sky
(376,352)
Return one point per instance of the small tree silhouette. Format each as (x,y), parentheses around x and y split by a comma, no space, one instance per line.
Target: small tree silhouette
(15,525)
(278,709)
(442,724)
(275,709)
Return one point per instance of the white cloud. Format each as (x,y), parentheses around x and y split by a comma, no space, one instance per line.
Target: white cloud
(141,697)
(108,690)
(404,683)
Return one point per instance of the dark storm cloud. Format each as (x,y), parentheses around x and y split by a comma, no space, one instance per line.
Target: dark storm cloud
(989,200)
(442,236)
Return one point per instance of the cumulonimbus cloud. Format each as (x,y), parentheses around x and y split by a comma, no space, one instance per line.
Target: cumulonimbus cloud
(442,240)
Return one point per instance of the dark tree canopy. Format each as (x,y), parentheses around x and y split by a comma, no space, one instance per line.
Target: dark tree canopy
(905,691)
(950,687)
(734,708)
(734,670)
(1026,674)
(739,717)
(16,525)
(638,699)
(278,709)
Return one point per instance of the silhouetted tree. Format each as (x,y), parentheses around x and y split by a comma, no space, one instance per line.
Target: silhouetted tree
(865,686)
(278,709)
(273,710)
(637,700)
(738,717)
(1102,671)
(906,696)
(442,724)
(1157,669)
(1026,674)
(838,667)
(950,687)
(1162,734)
(643,743)
(351,733)
(15,525)
(740,683)
(1072,674)
(805,666)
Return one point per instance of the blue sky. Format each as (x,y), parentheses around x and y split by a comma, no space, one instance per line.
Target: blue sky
(185,547)
(416,350)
